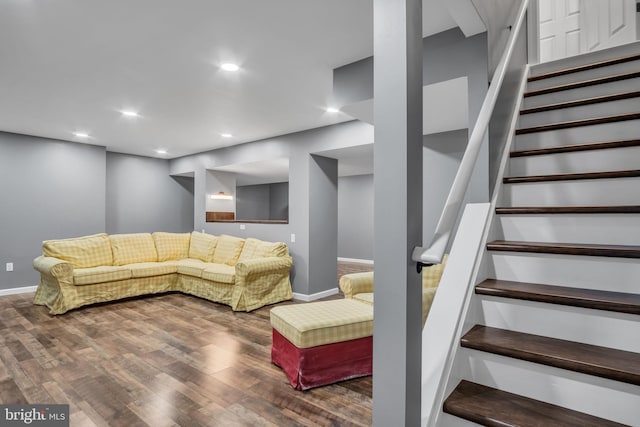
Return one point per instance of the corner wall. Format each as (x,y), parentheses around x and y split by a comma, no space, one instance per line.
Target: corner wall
(51,189)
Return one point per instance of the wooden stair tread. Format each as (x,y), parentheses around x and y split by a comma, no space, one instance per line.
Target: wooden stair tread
(588,359)
(571,176)
(616,251)
(492,407)
(587,298)
(576,147)
(579,123)
(585,67)
(525,210)
(583,83)
(581,102)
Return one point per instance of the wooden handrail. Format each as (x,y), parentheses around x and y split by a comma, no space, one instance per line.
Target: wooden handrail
(433,253)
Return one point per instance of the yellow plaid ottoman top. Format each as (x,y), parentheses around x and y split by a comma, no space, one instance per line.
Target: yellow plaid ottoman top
(323,322)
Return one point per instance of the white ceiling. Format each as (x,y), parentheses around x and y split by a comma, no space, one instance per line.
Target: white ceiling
(73,65)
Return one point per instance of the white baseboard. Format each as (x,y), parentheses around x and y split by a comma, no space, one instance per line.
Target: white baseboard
(360,261)
(13,291)
(316,296)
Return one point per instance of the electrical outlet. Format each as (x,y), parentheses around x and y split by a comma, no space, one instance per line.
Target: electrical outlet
(293,238)
(242,227)
(203,230)
(9,266)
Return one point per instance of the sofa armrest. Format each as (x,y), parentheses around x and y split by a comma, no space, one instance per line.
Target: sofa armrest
(255,266)
(55,267)
(356,283)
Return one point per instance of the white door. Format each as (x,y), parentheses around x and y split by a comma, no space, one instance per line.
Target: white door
(607,23)
(572,27)
(559,29)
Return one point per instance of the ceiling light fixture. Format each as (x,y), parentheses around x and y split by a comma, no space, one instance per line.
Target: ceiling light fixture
(228,66)
(226,135)
(81,134)
(129,113)
(221,196)
(161,151)
(332,110)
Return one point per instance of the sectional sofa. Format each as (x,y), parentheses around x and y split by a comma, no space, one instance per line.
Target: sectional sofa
(243,273)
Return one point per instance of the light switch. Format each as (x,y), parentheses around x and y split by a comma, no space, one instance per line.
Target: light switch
(293,238)
(9,266)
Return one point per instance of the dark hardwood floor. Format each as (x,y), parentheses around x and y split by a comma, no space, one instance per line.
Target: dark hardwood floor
(163,360)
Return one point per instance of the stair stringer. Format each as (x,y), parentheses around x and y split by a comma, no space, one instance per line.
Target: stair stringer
(438,363)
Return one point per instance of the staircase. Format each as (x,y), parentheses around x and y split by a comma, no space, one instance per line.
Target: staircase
(553,334)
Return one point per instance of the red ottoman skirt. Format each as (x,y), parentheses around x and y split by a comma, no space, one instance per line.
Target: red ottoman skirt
(324,364)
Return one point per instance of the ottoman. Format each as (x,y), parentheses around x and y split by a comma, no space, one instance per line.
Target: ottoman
(321,343)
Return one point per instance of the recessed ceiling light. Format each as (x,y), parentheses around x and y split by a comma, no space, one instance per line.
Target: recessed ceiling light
(81,134)
(332,110)
(228,66)
(161,151)
(226,135)
(129,113)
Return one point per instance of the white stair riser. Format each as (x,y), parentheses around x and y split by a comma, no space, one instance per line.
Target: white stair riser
(587,58)
(625,158)
(447,420)
(580,392)
(629,129)
(623,106)
(622,229)
(628,85)
(595,327)
(610,70)
(587,272)
(586,192)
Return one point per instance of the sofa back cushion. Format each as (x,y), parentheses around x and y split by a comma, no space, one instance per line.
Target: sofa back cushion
(228,250)
(133,248)
(202,246)
(254,248)
(171,246)
(81,252)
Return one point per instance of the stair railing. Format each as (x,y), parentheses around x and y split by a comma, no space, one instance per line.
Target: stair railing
(433,253)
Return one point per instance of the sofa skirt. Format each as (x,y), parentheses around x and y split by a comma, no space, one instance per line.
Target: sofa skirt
(324,364)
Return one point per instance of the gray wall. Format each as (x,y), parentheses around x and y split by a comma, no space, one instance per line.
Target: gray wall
(279,201)
(252,202)
(297,147)
(142,197)
(355,217)
(51,189)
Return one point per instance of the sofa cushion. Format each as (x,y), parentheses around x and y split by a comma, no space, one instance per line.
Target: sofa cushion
(254,248)
(133,248)
(220,273)
(171,246)
(366,297)
(228,249)
(90,276)
(81,252)
(202,246)
(191,267)
(150,269)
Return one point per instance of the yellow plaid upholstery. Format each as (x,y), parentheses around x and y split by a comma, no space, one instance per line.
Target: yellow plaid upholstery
(251,284)
(221,273)
(366,297)
(148,269)
(325,322)
(359,286)
(171,246)
(191,267)
(90,276)
(254,248)
(202,246)
(227,250)
(81,252)
(133,248)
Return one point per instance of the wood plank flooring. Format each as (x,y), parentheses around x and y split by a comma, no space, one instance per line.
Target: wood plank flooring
(167,360)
